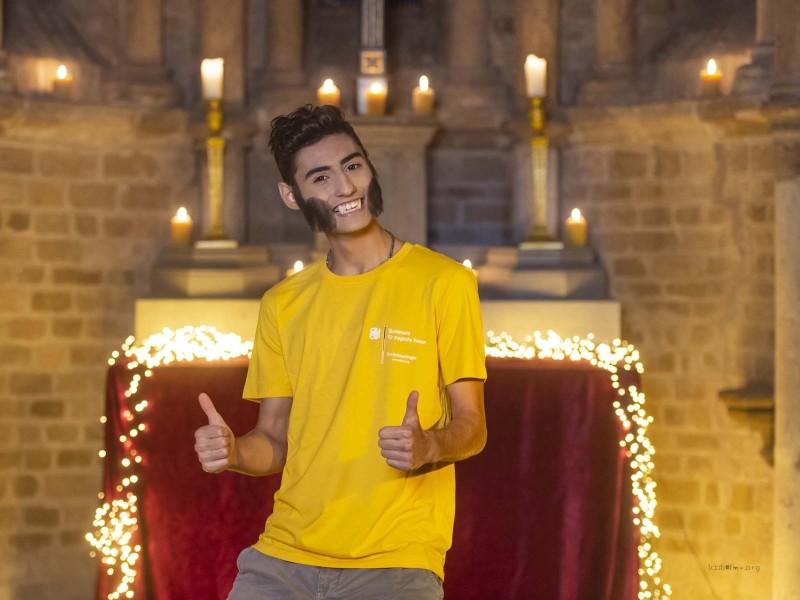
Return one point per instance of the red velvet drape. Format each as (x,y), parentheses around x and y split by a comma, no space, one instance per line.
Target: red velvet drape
(542,513)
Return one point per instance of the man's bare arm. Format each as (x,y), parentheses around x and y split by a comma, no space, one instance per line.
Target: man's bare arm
(465,434)
(260,452)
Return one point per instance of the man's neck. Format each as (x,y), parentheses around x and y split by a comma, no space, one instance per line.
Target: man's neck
(359,252)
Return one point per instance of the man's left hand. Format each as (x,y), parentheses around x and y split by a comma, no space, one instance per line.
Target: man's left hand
(408,446)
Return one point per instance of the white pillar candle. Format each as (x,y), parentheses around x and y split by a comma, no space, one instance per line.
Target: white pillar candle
(535,76)
(576,229)
(181,228)
(328,93)
(422,98)
(211,72)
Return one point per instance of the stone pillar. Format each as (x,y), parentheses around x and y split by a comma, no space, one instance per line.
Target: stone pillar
(473,97)
(614,54)
(141,77)
(786,518)
(614,27)
(468,42)
(143,43)
(6,85)
(755,77)
(786,79)
(283,85)
(398,151)
(285,43)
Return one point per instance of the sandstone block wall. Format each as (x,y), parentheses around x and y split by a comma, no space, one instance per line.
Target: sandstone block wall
(681,213)
(85,200)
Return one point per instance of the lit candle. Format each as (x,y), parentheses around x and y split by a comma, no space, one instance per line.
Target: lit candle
(298,266)
(535,76)
(422,98)
(62,84)
(211,73)
(328,93)
(181,228)
(576,229)
(711,80)
(376,100)
(468,263)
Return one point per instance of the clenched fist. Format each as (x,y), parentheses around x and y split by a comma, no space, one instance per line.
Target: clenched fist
(214,443)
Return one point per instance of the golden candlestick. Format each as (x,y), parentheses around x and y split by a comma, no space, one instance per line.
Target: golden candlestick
(214,117)
(540,148)
(215,153)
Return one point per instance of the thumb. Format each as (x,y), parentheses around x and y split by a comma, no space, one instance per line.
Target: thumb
(214,418)
(411,417)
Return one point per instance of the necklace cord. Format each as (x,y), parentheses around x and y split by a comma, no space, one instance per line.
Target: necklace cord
(329,256)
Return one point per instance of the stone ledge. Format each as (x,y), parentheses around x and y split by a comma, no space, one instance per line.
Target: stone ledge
(754,407)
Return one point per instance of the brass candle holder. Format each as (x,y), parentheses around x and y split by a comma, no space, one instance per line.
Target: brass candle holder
(540,148)
(215,153)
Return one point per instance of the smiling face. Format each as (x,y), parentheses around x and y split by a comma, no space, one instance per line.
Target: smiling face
(335,186)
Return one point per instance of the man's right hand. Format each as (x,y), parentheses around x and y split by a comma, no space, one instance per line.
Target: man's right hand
(215,443)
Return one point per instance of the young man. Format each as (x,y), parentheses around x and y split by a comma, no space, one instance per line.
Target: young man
(369,370)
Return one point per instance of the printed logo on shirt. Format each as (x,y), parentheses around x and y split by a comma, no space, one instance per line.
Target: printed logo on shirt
(397,345)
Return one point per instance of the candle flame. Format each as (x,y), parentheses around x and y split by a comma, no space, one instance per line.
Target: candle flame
(376,88)
(575,215)
(61,72)
(211,67)
(298,266)
(467,263)
(423,83)
(328,86)
(532,59)
(182,215)
(711,68)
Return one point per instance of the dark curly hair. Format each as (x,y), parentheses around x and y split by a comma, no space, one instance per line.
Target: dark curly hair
(306,126)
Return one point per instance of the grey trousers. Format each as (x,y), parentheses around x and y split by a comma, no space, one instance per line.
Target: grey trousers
(263,577)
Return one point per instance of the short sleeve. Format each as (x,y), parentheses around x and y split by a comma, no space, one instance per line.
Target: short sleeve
(267,376)
(460,338)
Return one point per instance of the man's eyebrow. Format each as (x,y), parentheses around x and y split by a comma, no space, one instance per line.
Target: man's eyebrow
(346,159)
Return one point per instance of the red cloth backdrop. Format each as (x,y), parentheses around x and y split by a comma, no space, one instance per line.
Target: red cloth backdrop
(543,513)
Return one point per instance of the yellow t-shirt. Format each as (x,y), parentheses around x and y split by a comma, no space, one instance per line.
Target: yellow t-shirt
(349,350)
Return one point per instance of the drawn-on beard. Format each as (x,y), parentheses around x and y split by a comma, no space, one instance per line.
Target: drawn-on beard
(320,216)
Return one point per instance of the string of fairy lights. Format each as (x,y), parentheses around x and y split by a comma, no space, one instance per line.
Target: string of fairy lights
(633,417)
(115,537)
(116,522)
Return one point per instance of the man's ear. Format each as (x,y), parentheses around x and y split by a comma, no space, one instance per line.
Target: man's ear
(287,195)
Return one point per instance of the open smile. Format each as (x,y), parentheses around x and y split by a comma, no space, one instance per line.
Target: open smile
(345,208)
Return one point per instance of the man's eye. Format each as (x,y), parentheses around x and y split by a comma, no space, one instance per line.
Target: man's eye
(320,178)
(353,166)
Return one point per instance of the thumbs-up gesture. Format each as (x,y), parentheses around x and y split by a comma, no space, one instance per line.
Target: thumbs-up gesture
(214,443)
(407,447)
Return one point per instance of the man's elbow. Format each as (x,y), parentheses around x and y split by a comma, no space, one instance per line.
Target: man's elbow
(480,438)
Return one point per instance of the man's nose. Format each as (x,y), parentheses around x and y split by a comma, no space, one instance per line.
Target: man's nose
(344,185)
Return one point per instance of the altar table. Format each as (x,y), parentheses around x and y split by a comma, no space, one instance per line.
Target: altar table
(543,513)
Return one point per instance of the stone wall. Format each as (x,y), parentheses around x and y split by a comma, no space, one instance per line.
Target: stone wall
(681,210)
(85,200)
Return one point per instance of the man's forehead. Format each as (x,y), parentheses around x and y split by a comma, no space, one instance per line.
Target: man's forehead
(329,151)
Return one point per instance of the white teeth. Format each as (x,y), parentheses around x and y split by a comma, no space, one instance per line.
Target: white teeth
(348,207)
